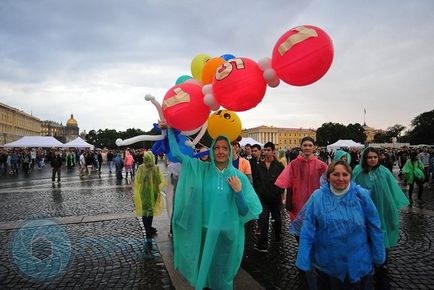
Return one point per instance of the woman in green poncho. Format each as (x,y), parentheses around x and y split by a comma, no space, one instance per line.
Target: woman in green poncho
(388,199)
(414,173)
(213,200)
(148,184)
(342,155)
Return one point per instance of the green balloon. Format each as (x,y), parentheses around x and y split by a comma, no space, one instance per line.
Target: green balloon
(182,79)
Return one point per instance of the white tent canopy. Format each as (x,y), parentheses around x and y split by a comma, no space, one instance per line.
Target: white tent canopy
(78,143)
(344,144)
(250,141)
(35,141)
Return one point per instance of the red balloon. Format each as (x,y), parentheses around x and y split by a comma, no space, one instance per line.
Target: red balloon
(302,55)
(183,107)
(239,85)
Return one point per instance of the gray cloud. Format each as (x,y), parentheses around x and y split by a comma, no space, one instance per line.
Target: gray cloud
(97,59)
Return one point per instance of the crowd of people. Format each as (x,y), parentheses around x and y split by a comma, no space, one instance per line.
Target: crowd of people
(344,209)
(343,205)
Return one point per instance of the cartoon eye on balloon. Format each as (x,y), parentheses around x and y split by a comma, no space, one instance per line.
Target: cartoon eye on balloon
(226,123)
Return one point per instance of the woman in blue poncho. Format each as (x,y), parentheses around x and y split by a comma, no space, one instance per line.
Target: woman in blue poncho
(387,197)
(340,236)
(213,200)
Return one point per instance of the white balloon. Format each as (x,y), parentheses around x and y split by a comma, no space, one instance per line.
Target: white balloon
(264,63)
(209,100)
(120,142)
(269,74)
(207,89)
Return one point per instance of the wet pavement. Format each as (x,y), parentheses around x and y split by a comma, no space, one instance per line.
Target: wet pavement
(100,244)
(79,234)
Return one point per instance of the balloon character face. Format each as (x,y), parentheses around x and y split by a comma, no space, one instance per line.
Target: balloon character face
(239,84)
(224,122)
(302,55)
(183,107)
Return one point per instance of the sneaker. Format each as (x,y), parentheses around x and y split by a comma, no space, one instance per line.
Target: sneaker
(260,248)
(153,230)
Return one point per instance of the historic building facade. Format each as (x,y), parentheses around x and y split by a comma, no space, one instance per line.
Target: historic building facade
(283,138)
(15,123)
(63,133)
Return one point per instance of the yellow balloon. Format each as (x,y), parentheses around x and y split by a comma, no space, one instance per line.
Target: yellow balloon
(197,65)
(224,122)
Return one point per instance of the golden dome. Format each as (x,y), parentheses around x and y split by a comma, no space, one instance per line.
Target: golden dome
(71,121)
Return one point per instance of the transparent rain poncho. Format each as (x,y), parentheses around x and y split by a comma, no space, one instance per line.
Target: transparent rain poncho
(303,176)
(340,236)
(387,197)
(342,153)
(148,184)
(208,231)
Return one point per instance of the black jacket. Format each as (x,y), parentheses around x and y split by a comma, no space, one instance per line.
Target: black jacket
(266,178)
(56,162)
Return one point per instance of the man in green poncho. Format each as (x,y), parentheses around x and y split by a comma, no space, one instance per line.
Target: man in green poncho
(213,200)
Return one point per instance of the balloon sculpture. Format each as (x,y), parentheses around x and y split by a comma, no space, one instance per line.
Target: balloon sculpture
(300,57)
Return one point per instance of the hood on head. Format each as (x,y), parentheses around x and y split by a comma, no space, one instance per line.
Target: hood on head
(211,151)
(149,159)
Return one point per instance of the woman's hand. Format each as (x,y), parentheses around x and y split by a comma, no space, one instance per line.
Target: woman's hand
(235,183)
(162,125)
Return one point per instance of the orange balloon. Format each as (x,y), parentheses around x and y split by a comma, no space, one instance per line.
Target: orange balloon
(209,69)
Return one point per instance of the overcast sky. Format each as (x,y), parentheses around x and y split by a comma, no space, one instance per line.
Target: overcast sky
(98,59)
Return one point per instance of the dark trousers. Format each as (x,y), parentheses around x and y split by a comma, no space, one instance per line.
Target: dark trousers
(53,176)
(419,191)
(272,206)
(326,282)
(147,222)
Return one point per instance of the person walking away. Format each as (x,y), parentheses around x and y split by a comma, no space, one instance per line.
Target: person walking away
(148,184)
(56,164)
(82,164)
(119,164)
(424,157)
(270,197)
(110,157)
(413,172)
(99,156)
(89,162)
(388,199)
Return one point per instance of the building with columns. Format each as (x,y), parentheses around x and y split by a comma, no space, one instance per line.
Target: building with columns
(283,138)
(15,124)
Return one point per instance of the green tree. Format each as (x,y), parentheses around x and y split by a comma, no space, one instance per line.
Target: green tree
(389,134)
(330,132)
(381,137)
(356,133)
(422,131)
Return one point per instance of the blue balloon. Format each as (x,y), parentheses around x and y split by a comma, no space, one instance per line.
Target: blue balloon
(227,56)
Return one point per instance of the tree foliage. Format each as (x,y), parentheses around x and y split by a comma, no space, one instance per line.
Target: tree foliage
(389,134)
(422,131)
(330,132)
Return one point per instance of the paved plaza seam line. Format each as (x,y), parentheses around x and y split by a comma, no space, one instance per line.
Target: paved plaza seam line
(11,225)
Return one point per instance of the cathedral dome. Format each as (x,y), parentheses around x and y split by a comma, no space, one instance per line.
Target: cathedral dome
(71,121)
